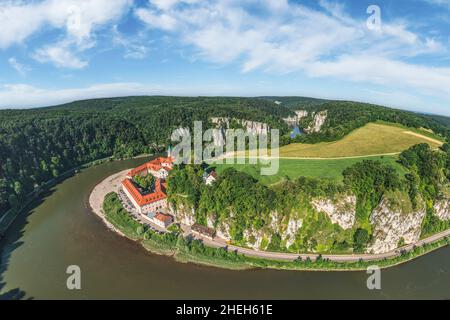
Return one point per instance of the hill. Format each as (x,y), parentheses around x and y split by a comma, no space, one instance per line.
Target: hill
(37,145)
(329,169)
(372,139)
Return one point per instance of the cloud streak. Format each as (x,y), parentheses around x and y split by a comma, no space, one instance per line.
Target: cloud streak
(295,38)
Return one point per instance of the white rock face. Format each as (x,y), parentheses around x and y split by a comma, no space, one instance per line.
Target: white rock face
(318,122)
(442,209)
(274,221)
(258,237)
(295,120)
(183,215)
(289,234)
(223,231)
(389,226)
(219,134)
(253,127)
(210,221)
(342,212)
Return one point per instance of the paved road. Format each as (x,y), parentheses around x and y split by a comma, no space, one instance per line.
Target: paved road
(217,242)
(112,183)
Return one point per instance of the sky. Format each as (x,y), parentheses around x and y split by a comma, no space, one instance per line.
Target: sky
(389,52)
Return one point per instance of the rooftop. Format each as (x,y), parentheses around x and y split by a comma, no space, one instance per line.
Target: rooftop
(142,199)
(153,165)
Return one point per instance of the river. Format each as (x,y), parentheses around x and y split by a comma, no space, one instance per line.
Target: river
(60,231)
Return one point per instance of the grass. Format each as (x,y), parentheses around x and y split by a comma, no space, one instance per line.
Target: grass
(372,139)
(293,168)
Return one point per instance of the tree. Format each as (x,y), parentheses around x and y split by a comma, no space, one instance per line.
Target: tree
(140,230)
(360,238)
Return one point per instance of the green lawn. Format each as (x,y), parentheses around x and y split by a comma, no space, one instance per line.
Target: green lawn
(293,168)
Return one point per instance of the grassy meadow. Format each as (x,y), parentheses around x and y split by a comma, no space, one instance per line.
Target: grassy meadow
(372,139)
(293,168)
(375,141)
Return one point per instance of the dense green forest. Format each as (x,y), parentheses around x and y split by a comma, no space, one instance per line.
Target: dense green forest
(346,116)
(245,203)
(39,144)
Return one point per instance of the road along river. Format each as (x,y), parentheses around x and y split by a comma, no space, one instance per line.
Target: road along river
(61,230)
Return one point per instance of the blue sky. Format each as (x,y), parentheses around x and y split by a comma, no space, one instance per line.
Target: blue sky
(55,51)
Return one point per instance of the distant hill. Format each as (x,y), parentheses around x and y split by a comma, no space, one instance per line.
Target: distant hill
(39,144)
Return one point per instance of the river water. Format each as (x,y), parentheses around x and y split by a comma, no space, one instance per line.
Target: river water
(61,231)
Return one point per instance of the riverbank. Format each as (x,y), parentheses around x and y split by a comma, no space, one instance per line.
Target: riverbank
(8,218)
(237,258)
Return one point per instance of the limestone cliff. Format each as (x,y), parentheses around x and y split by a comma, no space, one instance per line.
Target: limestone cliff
(293,121)
(442,209)
(318,121)
(183,214)
(288,235)
(392,221)
(341,210)
(223,124)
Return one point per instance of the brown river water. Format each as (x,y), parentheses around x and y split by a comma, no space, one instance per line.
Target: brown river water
(60,230)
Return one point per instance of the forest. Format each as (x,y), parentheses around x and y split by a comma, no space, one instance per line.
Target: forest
(37,145)
(245,203)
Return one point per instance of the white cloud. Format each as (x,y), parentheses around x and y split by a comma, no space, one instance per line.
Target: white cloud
(134,49)
(293,38)
(26,96)
(78,19)
(19,67)
(157,20)
(385,71)
(60,55)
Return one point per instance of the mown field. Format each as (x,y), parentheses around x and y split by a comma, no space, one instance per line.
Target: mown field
(329,159)
(372,139)
(293,168)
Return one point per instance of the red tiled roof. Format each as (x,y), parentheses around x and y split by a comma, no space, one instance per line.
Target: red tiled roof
(141,199)
(163,217)
(154,165)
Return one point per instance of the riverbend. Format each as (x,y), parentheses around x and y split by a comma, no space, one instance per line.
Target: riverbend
(60,230)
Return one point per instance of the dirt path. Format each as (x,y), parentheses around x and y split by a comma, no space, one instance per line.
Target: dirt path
(423,137)
(312,158)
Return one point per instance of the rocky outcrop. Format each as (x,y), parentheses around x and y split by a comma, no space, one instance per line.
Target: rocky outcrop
(255,239)
(223,124)
(341,211)
(183,215)
(442,209)
(291,231)
(390,225)
(210,222)
(318,121)
(223,231)
(252,127)
(293,121)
